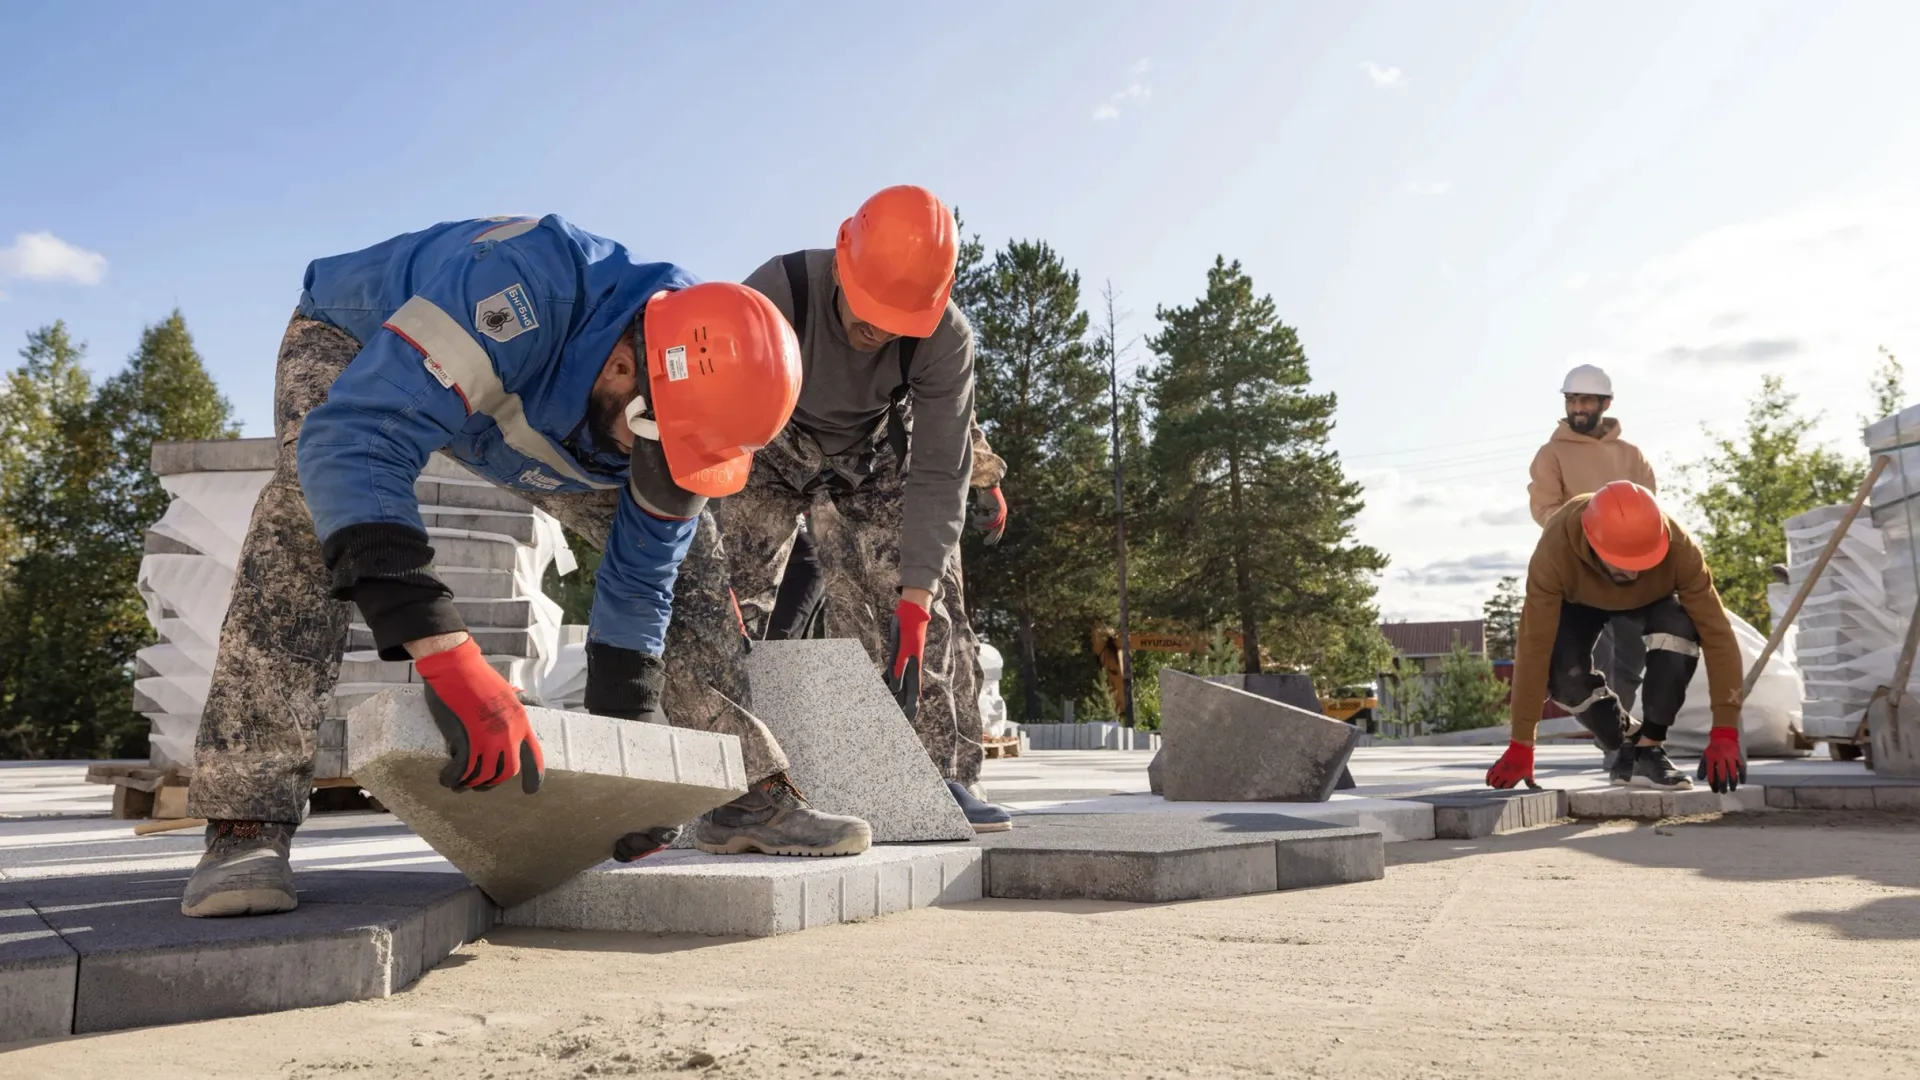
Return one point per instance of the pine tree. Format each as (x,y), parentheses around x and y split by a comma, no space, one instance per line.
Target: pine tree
(1502,613)
(1040,396)
(1256,513)
(70,617)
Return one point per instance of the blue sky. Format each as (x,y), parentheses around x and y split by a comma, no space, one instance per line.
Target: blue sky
(1453,203)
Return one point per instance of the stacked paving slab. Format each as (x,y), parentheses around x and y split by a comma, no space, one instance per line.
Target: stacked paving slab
(490,547)
(1846,618)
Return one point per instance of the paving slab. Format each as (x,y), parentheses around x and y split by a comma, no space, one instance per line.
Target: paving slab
(1152,858)
(137,961)
(604,779)
(1226,745)
(1472,815)
(687,892)
(849,746)
(1648,804)
(38,972)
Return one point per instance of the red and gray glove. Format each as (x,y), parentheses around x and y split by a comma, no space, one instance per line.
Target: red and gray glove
(1514,766)
(907,654)
(1722,766)
(489,738)
(990,513)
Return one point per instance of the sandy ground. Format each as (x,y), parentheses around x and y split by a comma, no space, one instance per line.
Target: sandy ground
(1784,947)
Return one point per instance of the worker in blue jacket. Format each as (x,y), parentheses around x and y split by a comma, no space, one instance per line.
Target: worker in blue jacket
(618,395)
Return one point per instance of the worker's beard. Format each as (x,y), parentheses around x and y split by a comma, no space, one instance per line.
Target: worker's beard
(607,419)
(1583,423)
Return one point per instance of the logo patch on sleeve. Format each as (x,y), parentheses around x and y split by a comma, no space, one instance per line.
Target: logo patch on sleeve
(506,314)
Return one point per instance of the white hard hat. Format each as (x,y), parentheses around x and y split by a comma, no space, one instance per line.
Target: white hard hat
(1587,379)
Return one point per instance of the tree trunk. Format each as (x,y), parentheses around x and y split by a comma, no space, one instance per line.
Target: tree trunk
(1242,574)
(1029,668)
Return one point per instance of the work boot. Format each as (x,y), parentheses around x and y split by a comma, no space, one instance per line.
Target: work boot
(1620,767)
(244,872)
(1652,768)
(982,815)
(773,818)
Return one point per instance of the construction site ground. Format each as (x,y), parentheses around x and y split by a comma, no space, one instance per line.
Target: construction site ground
(1750,945)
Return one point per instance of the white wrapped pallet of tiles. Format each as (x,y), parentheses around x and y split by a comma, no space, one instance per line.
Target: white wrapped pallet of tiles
(491,549)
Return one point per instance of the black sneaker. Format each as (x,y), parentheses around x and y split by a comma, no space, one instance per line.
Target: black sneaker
(1653,769)
(246,871)
(1620,765)
(982,815)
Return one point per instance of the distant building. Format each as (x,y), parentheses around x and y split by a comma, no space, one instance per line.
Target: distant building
(1427,644)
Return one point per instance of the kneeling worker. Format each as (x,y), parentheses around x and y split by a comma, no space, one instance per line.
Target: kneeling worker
(1611,556)
(617,394)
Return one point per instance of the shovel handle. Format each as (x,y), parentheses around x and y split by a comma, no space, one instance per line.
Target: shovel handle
(1898,689)
(1819,567)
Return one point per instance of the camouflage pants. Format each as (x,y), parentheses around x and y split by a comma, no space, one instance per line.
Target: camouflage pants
(281,642)
(856,535)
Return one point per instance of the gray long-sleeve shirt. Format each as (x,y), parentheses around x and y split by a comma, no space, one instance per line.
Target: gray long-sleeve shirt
(844,396)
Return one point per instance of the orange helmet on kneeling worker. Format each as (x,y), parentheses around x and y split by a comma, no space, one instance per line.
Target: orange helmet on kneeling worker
(723,375)
(896,260)
(1625,527)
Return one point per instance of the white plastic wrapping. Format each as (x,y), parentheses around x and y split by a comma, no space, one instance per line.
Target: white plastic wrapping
(1771,713)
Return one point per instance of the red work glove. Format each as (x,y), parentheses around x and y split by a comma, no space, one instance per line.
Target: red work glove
(909,652)
(1721,766)
(488,736)
(1514,766)
(990,513)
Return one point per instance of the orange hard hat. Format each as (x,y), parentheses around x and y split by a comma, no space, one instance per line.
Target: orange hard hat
(723,369)
(1625,526)
(896,258)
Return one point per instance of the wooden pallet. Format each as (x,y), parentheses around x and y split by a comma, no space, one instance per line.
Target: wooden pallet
(1001,746)
(144,791)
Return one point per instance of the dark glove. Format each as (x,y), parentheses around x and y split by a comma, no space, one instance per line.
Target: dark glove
(489,738)
(1721,766)
(907,652)
(990,513)
(1514,766)
(624,683)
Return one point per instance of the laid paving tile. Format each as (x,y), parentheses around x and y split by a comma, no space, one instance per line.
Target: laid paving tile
(849,746)
(1472,815)
(1152,858)
(604,779)
(38,973)
(687,892)
(138,961)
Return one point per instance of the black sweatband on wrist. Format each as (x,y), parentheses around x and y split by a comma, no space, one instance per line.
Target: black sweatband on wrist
(623,683)
(387,571)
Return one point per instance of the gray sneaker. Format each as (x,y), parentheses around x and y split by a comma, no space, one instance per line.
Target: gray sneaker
(244,872)
(773,818)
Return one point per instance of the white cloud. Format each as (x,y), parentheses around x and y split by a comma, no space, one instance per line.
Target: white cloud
(1384,77)
(1143,65)
(1808,294)
(43,256)
(1427,187)
(1576,281)
(1137,92)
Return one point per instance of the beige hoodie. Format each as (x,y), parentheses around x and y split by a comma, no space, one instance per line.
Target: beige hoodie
(1575,464)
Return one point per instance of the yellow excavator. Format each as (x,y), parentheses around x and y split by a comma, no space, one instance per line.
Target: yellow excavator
(1353,704)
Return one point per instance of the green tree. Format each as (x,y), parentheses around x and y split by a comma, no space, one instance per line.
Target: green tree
(1040,394)
(48,385)
(1254,511)
(1468,694)
(1888,388)
(1745,490)
(1502,614)
(70,617)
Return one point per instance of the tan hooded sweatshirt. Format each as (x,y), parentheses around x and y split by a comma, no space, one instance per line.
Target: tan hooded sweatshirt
(1564,570)
(1575,464)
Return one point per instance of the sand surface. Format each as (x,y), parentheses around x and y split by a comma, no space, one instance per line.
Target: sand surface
(1787,946)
